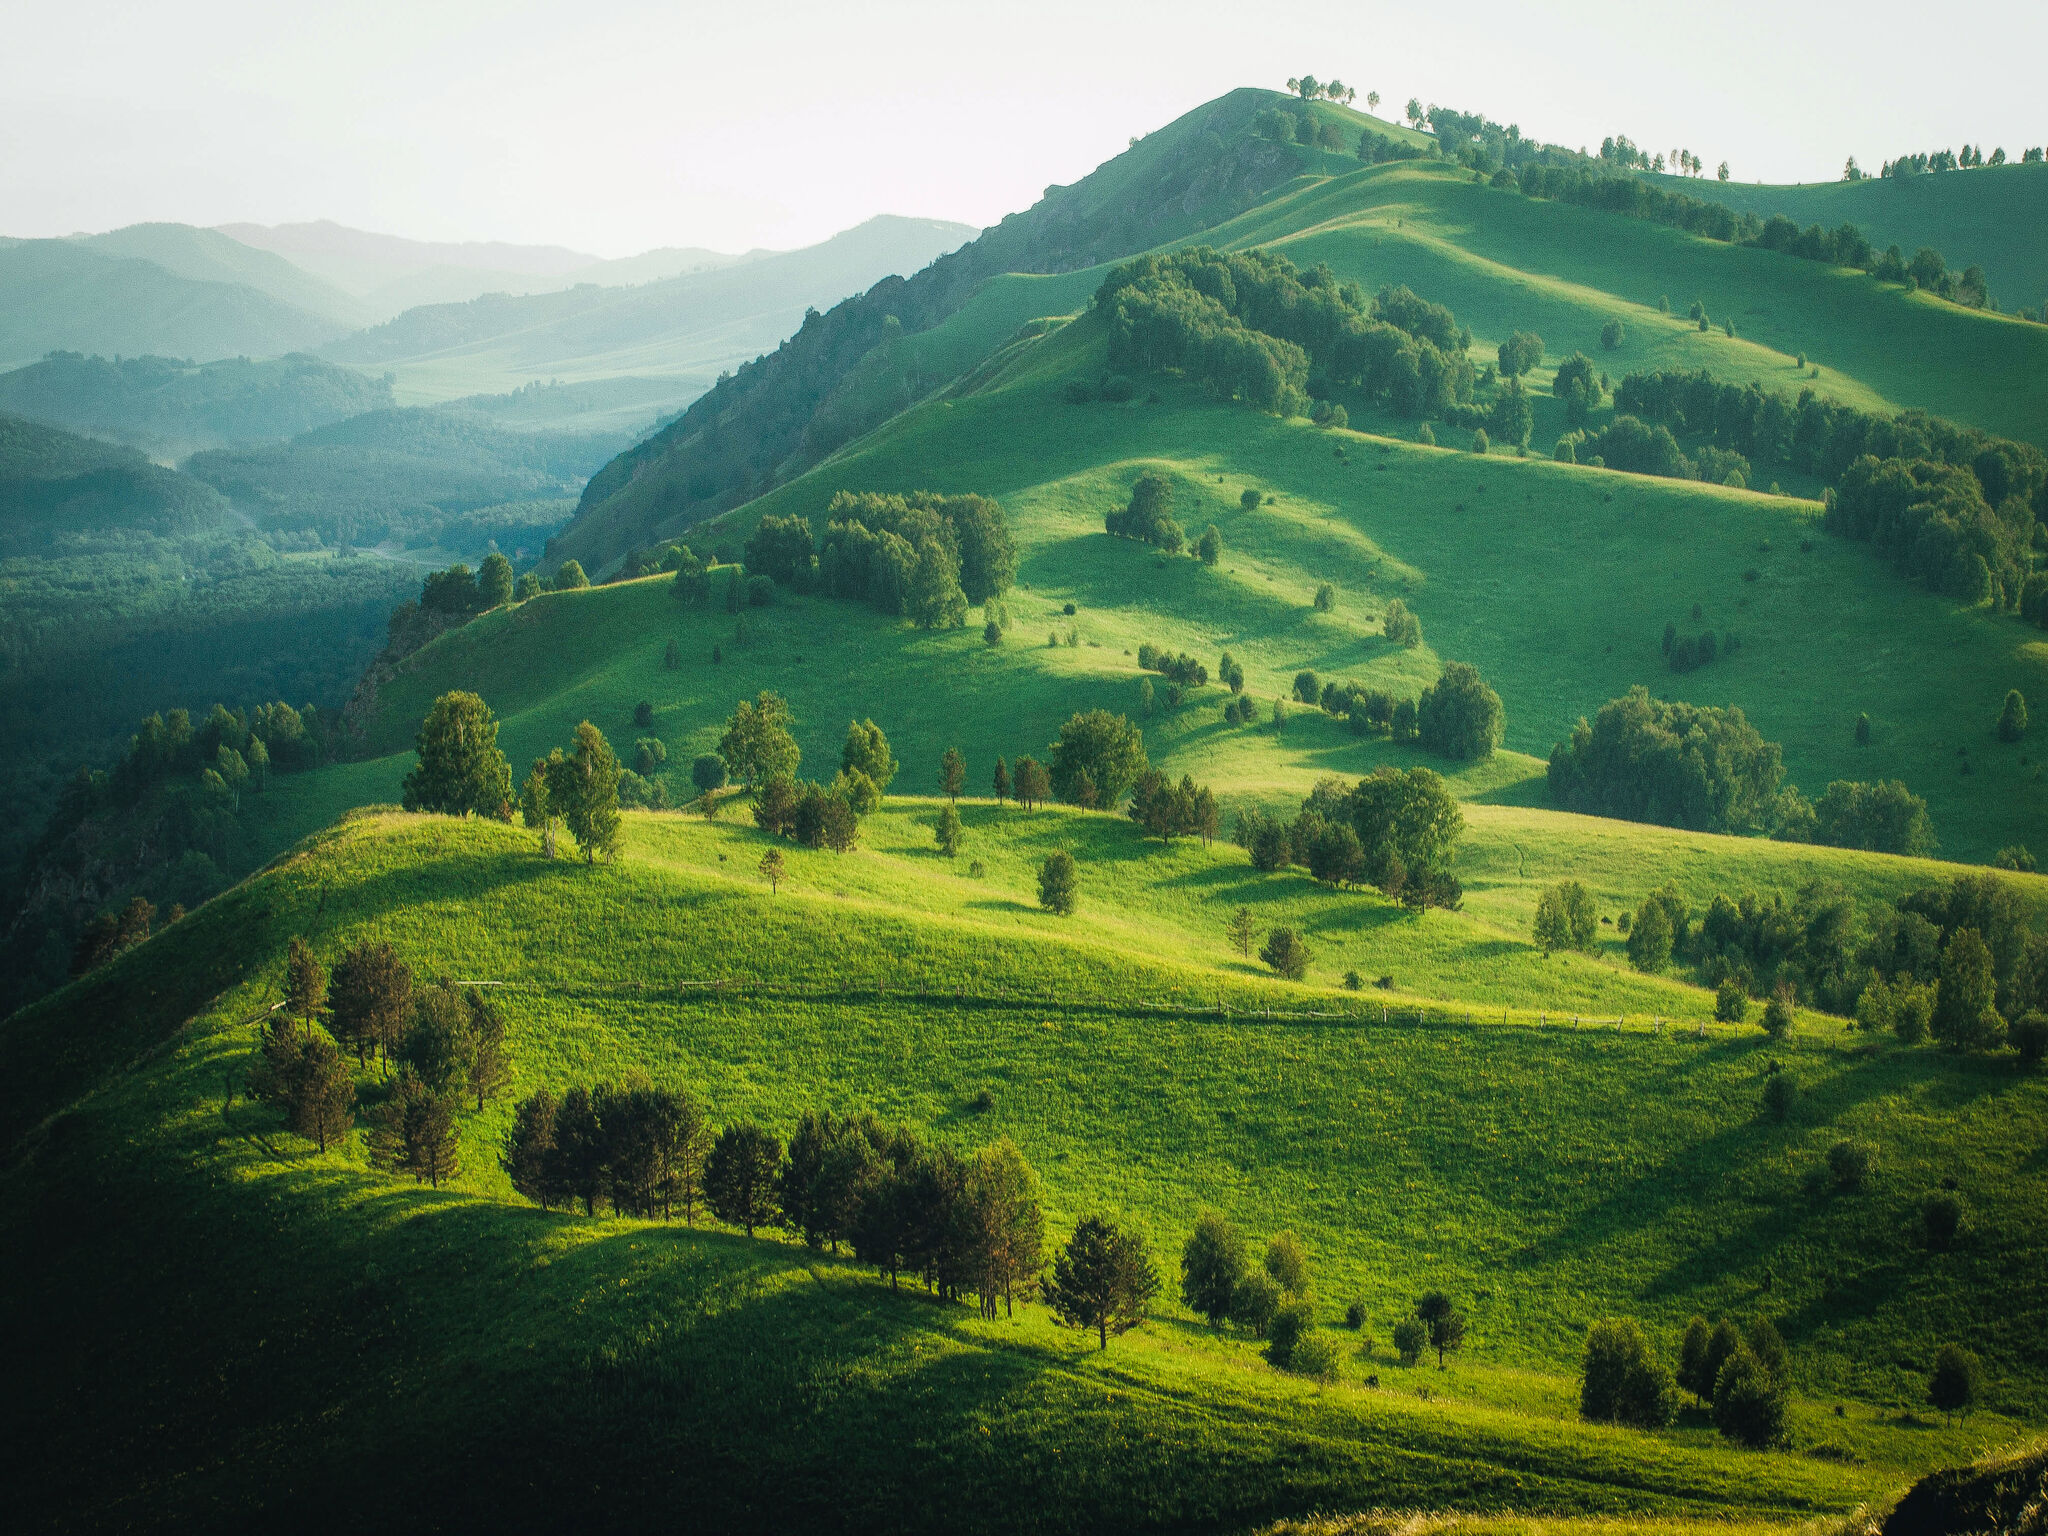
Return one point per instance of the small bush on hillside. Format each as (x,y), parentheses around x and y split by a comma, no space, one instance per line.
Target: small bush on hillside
(1410,1339)
(1731,1001)
(1954,1383)
(1254,1302)
(1781,1095)
(2029,1036)
(1941,1218)
(1326,598)
(1314,1356)
(1612,334)
(1850,1163)
(1354,1316)
(1290,1324)
(1749,1406)
(1248,501)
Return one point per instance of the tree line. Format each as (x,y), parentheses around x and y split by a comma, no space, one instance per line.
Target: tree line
(1253,326)
(1394,830)
(1689,765)
(1744,1373)
(1459,716)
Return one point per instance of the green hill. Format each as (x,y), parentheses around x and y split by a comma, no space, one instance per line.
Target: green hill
(209,256)
(1986,217)
(169,407)
(1544,1175)
(60,295)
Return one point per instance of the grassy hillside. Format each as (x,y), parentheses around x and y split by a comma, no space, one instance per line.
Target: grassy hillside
(1546,1176)
(1987,216)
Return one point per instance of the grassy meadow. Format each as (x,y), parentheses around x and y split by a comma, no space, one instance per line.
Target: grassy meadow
(1545,1176)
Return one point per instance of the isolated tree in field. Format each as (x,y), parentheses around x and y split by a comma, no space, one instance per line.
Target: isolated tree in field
(1248,501)
(1446,1324)
(460,770)
(1522,351)
(1400,625)
(1326,598)
(1459,716)
(1034,785)
(1242,931)
(1001,784)
(1102,1280)
(952,773)
(1650,938)
(592,804)
(2012,719)
(740,1176)
(757,743)
(773,869)
(1781,1097)
(947,833)
(413,1131)
(1952,1386)
(370,999)
(570,577)
(1285,952)
(1623,1382)
(494,581)
(1612,334)
(1059,884)
(529,1153)
(1212,1264)
(1107,749)
(1209,548)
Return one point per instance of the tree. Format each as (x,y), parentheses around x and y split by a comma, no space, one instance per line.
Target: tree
(1001,783)
(1695,1373)
(2012,719)
(1033,785)
(952,773)
(1650,938)
(1952,1386)
(773,869)
(530,1148)
(775,805)
(1287,1263)
(1211,1266)
(587,789)
(1612,334)
(947,833)
(1749,1406)
(1287,954)
(1209,548)
(494,581)
(997,1226)
(757,743)
(1446,1324)
(570,577)
(935,599)
(1102,1280)
(1552,929)
(1326,598)
(413,1131)
(1400,625)
(740,1176)
(1849,1164)
(1781,1096)
(1623,1381)
(1106,749)
(1459,716)
(1731,1002)
(370,999)
(305,982)
(1248,500)
(529,587)
(1522,351)
(460,769)
(1964,1015)
(708,773)
(1058,884)
(1241,931)
(1411,1337)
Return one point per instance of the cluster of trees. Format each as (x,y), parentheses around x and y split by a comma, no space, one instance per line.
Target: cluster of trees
(1253,326)
(924,556)
(1688,653)
(1271,1300)
(1168,810)
(577,790)
(1459,716)
(1394,830)
(1958,961)
(1924,162)
(1631,444)
(1148,517)
(1097,760)
(441,1045)
(1933,522)
(1182,668)
(1691,765)
(1743,1372)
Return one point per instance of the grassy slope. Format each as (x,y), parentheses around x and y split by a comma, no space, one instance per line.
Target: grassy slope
(1545,1176)
(1991,217)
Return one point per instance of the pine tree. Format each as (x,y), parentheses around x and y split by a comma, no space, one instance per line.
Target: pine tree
(947,833)
(529,1152)
(740,1176)
(305,983)
(1242,931)
(1102,1280)
(1002,781)
(414,1131)
(460,770)
(370,999)
(952,773)
(773,869)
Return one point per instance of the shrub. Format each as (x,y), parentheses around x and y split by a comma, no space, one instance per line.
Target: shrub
(1410,1339)
(1290,1323)
(1254,1302)
(1778,1016)
(1623,1381)
(1612,334)
(1479,443)
(1459,716)
(1354,1316)
(1287,1263)
(1749,1406)
(1314,1356)
(1781,1096)
(2012,719)
(1248,501)
(1952,1385)
(1941,1218)
(1326,598)
(2029,1036)
(1850,1163)
(1731,1001)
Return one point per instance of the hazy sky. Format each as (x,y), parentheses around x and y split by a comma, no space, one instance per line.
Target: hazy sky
(616,127)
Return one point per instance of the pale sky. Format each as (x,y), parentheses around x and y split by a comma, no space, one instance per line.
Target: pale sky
(615,127)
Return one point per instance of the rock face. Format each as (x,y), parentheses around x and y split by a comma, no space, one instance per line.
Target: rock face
(761,425)
(2008,1497)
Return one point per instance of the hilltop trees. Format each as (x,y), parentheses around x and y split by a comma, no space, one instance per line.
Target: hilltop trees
(579,789)
(1102,1280)
(1148,516)
(460,770)
(1675,764)
(924,555)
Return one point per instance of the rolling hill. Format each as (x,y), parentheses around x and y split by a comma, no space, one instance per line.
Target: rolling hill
(210,256)
(682,330)
(226,1325)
